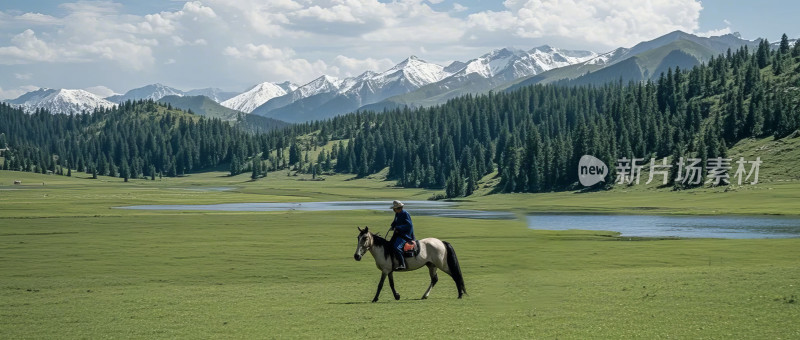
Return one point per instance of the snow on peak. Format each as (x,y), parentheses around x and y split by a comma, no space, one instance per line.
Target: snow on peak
(492,63)
(60,101)
(255,96)
(153,91)
(419,72)
(288,86)
(513,63)
(323,84)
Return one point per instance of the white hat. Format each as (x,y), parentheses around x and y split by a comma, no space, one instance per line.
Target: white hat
(397,204)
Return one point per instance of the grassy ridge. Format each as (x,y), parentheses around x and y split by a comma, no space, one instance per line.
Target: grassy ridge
(72,267)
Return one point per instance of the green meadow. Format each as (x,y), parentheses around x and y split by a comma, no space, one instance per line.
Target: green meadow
(71,266)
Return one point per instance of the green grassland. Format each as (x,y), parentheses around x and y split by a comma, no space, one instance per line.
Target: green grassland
(71,266)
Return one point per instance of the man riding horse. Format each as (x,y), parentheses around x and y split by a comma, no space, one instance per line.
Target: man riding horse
(403,232)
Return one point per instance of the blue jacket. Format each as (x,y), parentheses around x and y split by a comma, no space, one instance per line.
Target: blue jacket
(403,228)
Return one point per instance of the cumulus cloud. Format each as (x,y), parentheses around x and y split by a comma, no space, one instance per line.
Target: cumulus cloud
(457,7)
(260,52)
(348,66)
(26,47)
(38,19)
(100,91)
(609,22)
(15,93)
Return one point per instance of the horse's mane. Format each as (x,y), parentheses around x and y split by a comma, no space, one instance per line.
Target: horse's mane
(377,240)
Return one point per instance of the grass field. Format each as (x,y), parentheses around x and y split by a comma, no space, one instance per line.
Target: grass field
(73,267)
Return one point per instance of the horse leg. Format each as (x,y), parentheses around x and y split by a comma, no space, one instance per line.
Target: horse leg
(380,286)
(434,279)
(391,284)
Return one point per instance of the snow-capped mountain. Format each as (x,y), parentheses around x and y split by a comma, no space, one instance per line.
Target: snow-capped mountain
(154,92)
(484,73)
(510,63)
(322,85)
(257,95)
(60,101)
(327,96)
(416,72)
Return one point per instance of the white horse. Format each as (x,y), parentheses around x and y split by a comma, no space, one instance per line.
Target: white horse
(434,253)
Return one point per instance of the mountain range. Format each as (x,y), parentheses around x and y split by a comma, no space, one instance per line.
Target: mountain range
(646,60)
(60,101)
(158,91)
(415,82)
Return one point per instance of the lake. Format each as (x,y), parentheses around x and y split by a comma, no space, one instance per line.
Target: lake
(673,226)
(627,225)
(416,208)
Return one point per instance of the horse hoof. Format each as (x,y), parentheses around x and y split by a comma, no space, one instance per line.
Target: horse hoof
(424,297)
(397,296)
(375,300)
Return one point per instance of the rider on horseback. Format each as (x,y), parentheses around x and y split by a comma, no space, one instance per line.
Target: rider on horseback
(403,232)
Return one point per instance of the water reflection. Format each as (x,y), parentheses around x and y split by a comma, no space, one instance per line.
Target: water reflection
(739,227)
(417,208)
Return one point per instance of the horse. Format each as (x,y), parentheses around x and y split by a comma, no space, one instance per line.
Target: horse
(434,253)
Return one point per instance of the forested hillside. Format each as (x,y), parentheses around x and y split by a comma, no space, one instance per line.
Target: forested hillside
(532,137)
(133,140)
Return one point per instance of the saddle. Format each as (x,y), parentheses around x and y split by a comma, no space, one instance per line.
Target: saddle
(411,249)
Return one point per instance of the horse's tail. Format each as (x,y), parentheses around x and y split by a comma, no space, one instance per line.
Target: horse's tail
(455,269)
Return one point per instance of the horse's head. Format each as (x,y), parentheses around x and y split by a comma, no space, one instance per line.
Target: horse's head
(364,243)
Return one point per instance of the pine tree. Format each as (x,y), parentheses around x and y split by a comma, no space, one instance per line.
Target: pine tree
(124,171)
(256,169)
(784,46)
(234,168)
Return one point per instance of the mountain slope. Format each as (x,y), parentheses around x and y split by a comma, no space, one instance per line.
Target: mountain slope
(215,94)
(60,101)
(653,57)
(154,92)
(200,105)
(204,106)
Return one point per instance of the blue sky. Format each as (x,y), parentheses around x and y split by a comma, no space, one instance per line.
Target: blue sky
(113,46)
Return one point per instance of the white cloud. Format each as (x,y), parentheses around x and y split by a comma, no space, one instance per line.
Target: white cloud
(26,48)
(292,69)
(100,91)
(716,32)
(259,52)
(457,7)
(178,41)
(38,19)
(609,22)
(197,8)
(352,66)
(23,76)
(15,93)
